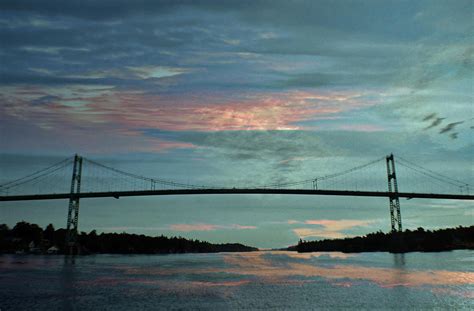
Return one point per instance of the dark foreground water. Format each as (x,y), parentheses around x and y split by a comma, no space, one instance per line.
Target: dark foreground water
(259,280)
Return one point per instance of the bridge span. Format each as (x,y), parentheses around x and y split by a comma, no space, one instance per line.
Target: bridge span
(91,179)
(118,194)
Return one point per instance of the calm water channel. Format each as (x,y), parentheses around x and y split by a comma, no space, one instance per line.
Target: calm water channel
(229,281)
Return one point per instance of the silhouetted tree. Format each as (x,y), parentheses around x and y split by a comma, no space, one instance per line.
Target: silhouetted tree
(23,233)
(407,241)
(28,232)
(49,233)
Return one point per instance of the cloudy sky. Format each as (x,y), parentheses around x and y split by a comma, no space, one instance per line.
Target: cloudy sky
(238,93)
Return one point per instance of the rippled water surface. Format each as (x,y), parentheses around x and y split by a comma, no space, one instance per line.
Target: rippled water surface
(258,280)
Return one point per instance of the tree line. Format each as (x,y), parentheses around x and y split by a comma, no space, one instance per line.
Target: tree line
(31,238)
(419,240)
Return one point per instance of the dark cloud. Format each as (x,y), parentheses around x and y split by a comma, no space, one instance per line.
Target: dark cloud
(281,11)
(363,51)
(262,157)
(44,100)
(45,37)
(450,127)
(13,78)
(446,129)
(429,116)
(238,45)
(317,80)
(90,9)
(282,145)
(435,123)
(127,82)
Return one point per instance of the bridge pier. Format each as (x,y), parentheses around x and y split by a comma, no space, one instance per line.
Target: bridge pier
(395,215)
(73,210)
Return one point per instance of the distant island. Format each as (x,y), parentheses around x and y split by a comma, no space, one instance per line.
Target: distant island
(419,240)
(32,239)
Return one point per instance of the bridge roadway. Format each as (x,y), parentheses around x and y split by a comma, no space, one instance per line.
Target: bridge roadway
(118,194)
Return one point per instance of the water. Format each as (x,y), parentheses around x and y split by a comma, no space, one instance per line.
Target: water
(259,280)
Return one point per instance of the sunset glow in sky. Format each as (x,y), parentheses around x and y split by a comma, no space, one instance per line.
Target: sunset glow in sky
(237,93)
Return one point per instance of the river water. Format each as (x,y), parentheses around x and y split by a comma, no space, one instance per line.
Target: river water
(229,281)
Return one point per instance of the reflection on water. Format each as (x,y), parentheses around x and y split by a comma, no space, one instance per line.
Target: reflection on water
(68,283)
(399,260)
(276,280)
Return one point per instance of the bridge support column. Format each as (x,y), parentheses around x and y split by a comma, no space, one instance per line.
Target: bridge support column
(395,216)
(73,211)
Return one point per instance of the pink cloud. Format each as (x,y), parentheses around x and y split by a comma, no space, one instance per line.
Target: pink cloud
(73,125)
(339,224)
(126,228)
(239,227)
(207,227)
(208,112)
(332,229)
(75,112)
(308,232)
(193,227)
(213,112)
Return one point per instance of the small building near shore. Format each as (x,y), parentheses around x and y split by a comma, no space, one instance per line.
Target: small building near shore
(52,250)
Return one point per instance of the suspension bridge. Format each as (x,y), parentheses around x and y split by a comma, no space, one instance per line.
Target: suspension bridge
(91,179)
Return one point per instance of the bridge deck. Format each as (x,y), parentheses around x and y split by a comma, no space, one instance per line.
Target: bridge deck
(118,194)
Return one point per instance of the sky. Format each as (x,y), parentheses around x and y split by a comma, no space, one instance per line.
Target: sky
(234,93)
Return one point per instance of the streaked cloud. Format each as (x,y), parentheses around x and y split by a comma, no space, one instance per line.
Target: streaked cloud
(339,224)
(305,233)
(146,72)
(362,128)
(241,92)
(138,110)
(208,227)
(329,229)
(128,229)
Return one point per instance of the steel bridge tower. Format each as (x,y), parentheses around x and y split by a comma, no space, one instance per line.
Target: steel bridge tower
(395,216)
(73,211)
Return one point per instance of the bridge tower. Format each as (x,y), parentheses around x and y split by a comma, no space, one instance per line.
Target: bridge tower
(395,216)
(73,211)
